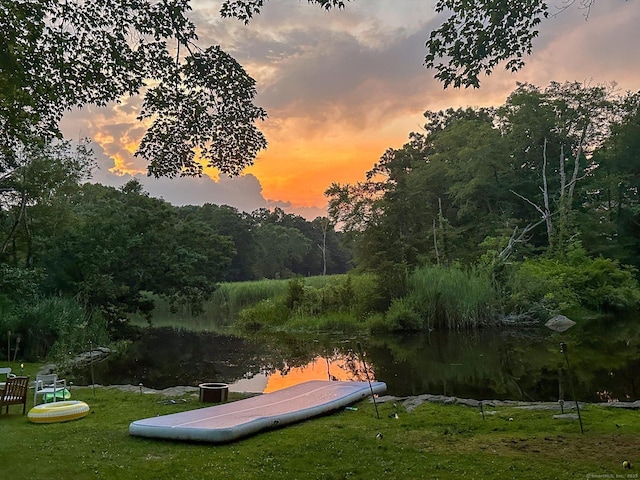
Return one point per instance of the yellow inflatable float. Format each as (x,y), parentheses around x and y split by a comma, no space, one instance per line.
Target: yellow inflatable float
(58,411)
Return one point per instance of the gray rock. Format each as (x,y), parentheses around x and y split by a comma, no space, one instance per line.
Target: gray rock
(566,416)
(81,360)
(630,405)
(559,323)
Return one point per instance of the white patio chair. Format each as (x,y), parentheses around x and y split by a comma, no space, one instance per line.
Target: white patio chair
(48,385)
(6,371)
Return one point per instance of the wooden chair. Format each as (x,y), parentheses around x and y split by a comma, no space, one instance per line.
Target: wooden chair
(15,393)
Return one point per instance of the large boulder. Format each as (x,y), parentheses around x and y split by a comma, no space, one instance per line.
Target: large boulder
(559,323)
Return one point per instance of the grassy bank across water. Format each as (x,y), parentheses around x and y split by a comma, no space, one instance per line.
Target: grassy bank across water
(430,441)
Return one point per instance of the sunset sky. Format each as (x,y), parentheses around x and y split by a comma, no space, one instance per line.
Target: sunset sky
(341,87)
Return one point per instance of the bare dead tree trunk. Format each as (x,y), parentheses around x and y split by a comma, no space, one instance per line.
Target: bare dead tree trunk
(515,239)
(546,215)
(563,174)
(545,209)
(576,163)
(323,248)
(567,189)
(435,242)
(439,244)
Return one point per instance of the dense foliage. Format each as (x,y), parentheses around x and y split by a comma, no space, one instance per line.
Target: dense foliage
(101,254)
(550,179)
(55,56)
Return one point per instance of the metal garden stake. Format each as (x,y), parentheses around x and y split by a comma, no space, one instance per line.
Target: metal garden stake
(563,350)
(368,379)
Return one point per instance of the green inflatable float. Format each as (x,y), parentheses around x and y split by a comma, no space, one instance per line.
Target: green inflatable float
(60,396)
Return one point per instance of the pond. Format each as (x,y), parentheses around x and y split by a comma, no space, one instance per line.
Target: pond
(514,363)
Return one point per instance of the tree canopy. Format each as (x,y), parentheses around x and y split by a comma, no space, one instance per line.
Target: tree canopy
(198,103)
(538,173)
(55,56)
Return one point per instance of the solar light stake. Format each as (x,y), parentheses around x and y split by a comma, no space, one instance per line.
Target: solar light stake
(15,350)
(563,350)
(368,379)
(93,381)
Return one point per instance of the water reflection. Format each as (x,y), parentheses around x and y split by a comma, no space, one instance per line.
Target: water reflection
(165,357)
(320,368)
(338,367)
(489,364)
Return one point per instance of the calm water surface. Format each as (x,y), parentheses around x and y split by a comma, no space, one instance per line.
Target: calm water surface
(518,364)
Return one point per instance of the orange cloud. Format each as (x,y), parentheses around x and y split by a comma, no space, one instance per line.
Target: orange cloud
(299,171)
(307,153)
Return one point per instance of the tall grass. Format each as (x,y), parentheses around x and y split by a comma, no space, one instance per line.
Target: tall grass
(438,297)
(53,327)
(231,298)
(227,302)
(449,297)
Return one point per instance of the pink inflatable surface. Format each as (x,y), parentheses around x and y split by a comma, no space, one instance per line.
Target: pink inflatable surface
(233,420)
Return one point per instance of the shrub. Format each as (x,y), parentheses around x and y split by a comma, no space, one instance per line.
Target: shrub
(378,323)
(353,294)
(295,293)
(358,294)
(551,286)
(268,312)
(403,317)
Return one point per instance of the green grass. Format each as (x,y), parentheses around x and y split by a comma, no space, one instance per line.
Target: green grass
(432,441)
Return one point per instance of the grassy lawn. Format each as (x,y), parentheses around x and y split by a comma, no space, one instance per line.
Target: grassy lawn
(430,442)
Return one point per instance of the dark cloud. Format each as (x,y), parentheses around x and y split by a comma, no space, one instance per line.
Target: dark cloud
(243,192)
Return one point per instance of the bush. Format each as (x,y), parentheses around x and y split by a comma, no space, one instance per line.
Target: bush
(378,323)
(403,317)
(268,312)
(353,294)
(550,286)
(356,294)
(295,293)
